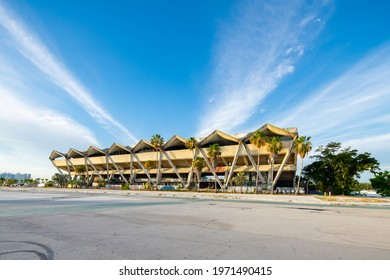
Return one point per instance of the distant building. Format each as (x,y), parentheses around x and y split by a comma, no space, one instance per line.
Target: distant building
(17,176)
(174,161)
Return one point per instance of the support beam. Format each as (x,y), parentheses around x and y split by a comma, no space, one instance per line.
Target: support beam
(144,169)
(59,170)
(94,168)
(131,168)
(224,161)
(70,163)
(210,166)
(174,167)
(108,173)
(233,164)
(86,167)
(117,169)
(245,160)
(254,164)
(191,173)
(158,179)
(280,170)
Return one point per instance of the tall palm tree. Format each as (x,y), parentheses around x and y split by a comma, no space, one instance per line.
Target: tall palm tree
(259,140)
(302,147)
(157,142)
(149,164)
(191,145)
(240,179)
(80,169)
(274,146)
(198,164)
(214,153)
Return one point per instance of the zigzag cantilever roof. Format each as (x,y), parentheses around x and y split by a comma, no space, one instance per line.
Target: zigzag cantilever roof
(270,129)
(141,145)
(176,142)
(56,154)
(118,147)
(73,153)
(219,137)
(92,150)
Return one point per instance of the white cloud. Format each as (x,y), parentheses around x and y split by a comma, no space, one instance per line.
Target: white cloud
(353,109)
(35,51)
(356,100)
(30,131)
(255,52)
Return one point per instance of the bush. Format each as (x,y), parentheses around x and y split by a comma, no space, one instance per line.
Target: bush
(148,186)
(49,184)
(125,187)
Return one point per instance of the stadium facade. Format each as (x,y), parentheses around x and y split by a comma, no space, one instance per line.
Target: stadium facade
(125,164)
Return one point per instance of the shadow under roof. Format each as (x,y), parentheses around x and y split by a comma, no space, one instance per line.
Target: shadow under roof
(118,147)
(175,143)
(223,139)
(93,151)
(73,153)
(56,154)
(142,145)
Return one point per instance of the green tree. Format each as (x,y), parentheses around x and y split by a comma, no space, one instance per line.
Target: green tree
(49,184)
(381,183)
(214,152)
(191,145)
(274,146)
(240,179)
(259,140)
(198,164)
(302,147)
(149,164)
(61,179)
(79,170)
(336,169)
(157,142)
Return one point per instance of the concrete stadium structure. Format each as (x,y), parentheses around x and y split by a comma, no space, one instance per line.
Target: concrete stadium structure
(125,164)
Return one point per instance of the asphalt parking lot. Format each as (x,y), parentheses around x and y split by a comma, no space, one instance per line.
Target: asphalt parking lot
(90,226)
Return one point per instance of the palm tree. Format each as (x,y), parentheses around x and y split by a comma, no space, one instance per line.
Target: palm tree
(157,142)
(302,147)
(79,170)
(191,145)
(259,140)
(60,179)
(198,164)
(240,179)
(214,153)
(149,164)
(274,146)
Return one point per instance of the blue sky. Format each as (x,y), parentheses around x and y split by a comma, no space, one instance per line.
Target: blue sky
(81,73)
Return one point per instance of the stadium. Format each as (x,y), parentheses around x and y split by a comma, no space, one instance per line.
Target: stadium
(171,164)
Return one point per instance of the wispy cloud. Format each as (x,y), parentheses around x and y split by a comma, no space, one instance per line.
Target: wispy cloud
(30,131)
(256,50)
(349,108)
(352,105)
(30,46)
